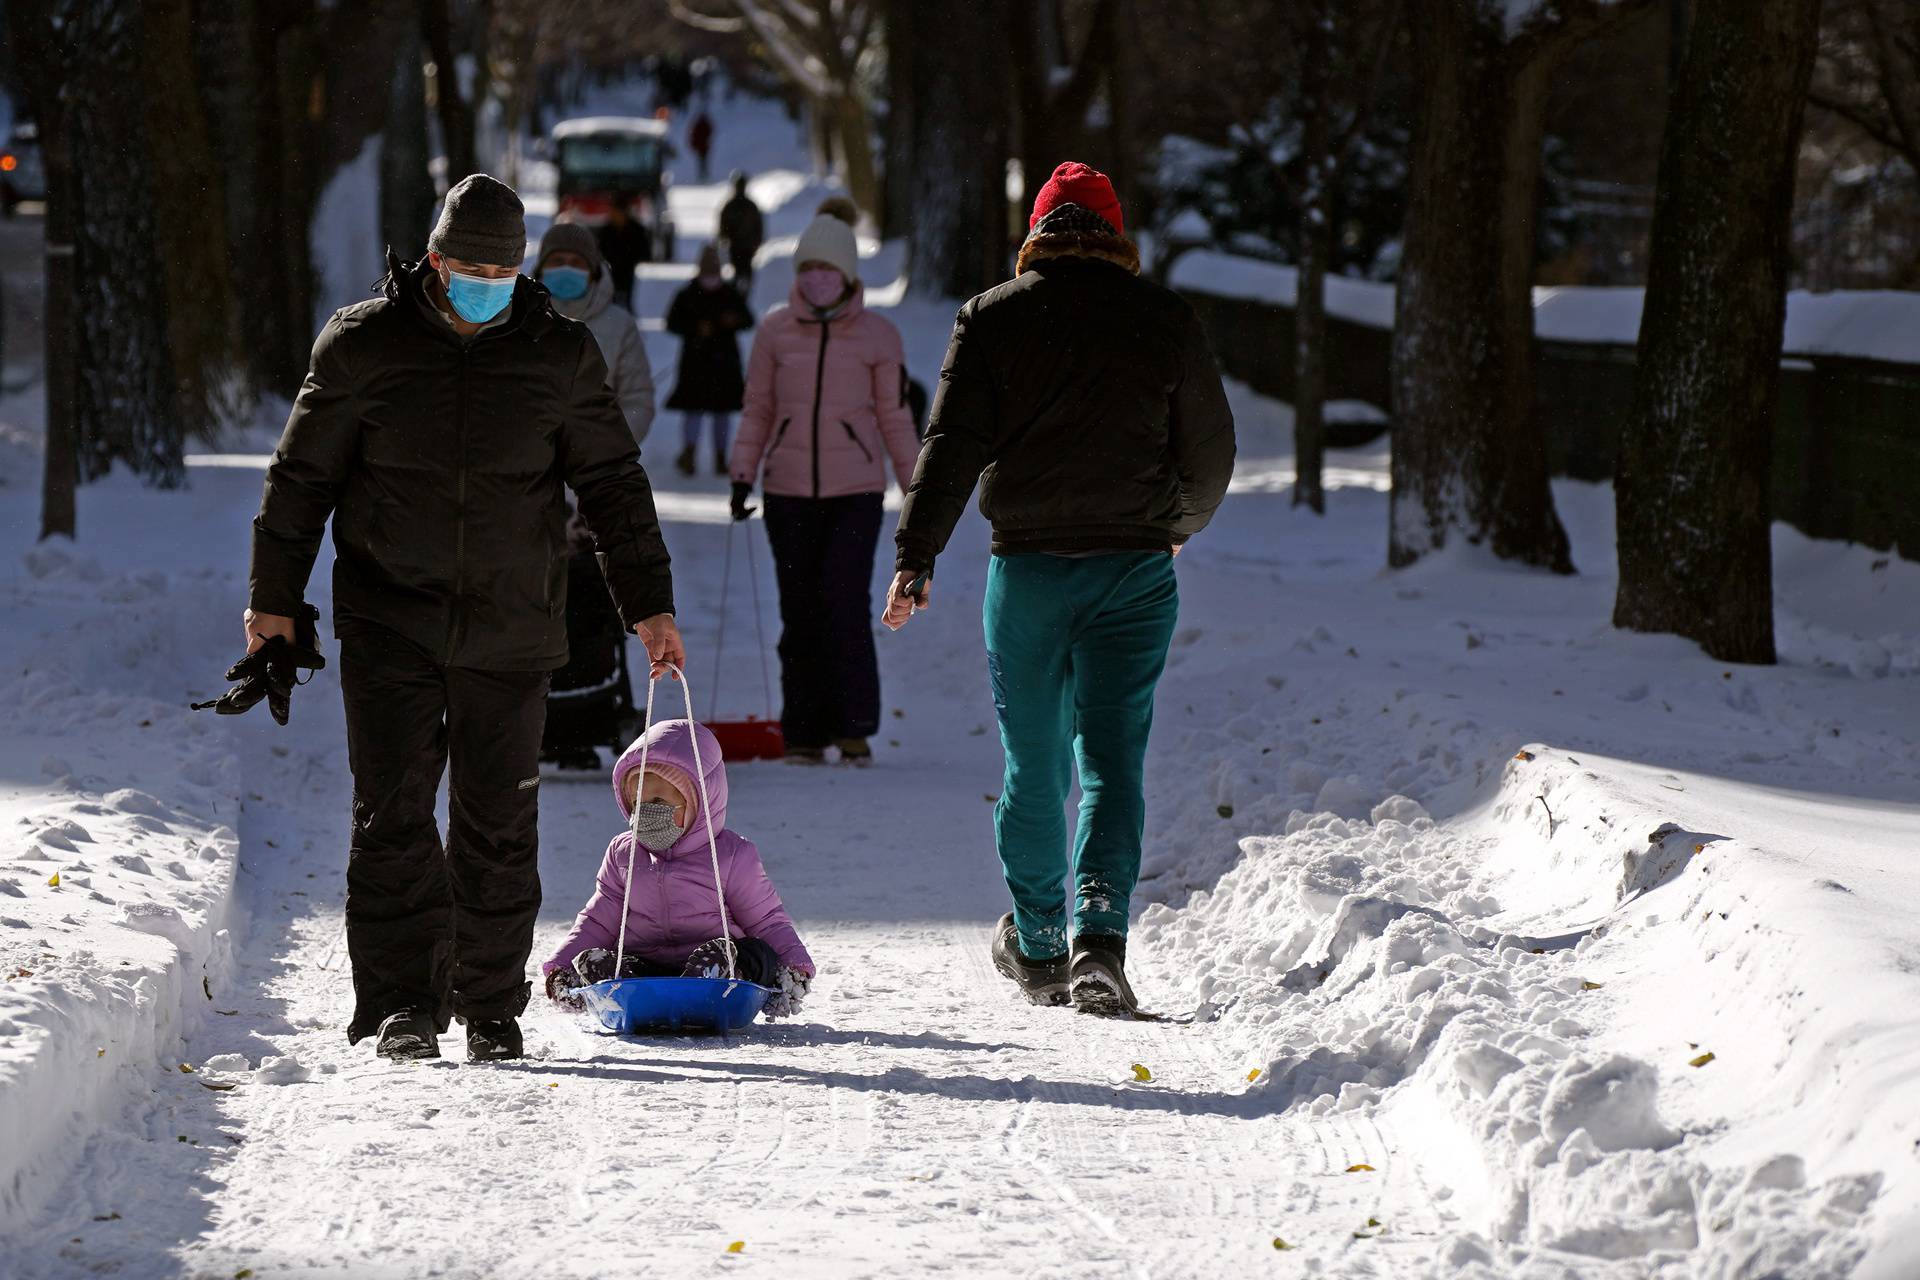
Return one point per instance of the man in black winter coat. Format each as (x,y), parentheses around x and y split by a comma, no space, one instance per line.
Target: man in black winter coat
(1090,400)
(439,427)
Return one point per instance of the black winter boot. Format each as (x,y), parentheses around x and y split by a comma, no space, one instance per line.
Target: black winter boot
(408,1036)
(490,1041)
(1100,976)
(1041,981)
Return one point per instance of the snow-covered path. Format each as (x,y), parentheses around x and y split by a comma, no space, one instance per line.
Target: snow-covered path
(917,1120)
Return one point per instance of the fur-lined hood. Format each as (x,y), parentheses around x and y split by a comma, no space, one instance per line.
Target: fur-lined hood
(1103,247)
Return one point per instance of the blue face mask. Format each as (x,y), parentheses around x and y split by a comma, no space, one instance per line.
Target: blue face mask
(476,298)
(565,283)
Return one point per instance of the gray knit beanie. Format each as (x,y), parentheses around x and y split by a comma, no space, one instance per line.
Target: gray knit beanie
(571,237)
(483,222)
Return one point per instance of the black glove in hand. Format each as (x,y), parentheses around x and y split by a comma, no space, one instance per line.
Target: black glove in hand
(271,671)
(741,492)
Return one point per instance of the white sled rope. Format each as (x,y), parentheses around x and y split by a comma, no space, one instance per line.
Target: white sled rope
(706,816)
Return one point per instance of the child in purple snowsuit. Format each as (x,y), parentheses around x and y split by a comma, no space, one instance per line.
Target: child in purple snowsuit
(673,917)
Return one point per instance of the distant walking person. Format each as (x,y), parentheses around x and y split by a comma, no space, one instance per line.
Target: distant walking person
(439,428)
(625,244)
(825,402)
(742,231)
(1090,399)
(707,316)
(700,139)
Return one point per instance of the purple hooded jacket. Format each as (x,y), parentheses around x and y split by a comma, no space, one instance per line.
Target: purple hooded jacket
(672,909)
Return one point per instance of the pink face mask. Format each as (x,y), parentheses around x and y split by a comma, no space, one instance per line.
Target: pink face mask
(822,286)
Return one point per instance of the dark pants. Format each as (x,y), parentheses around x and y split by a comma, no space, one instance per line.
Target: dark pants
(441,929)
(753,961)
(743,274)
(829,673)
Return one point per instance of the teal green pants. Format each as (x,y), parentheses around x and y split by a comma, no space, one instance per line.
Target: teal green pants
(1075,648)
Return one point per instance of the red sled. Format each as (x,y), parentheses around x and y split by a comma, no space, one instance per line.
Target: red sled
(749,739)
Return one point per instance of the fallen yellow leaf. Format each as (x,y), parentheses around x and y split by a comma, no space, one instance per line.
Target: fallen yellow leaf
(54,879)
(1523,755)
(99,1053)
(185,1070)
(1589,986)
(1701,1061)
(1359,1168)
(1254,1074)
(1278,1243)
(1699,848)
(554,1085)
(1141,1073)
(738,1246)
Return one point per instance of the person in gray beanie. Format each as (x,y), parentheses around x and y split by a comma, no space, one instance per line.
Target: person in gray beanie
(439,428)
(570,265)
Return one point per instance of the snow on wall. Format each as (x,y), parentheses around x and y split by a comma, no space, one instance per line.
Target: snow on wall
(1228,276)
(1866,324)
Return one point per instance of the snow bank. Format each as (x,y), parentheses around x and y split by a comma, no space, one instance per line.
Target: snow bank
(1377,962)
(1866,324)
(119,852)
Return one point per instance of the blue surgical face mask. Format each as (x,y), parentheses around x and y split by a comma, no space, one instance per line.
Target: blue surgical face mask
(565,283)
(476,298)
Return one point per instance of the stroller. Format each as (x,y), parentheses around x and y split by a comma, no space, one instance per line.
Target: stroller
(590,700)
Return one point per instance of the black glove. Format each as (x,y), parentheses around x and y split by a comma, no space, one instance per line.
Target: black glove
(271,671)
(741,492)
(563,988)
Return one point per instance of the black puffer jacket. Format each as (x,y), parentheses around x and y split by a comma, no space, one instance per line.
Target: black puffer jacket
(444,465)
(1089,398)
(708,322)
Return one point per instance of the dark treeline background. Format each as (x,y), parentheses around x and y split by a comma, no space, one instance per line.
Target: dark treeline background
(1716,151)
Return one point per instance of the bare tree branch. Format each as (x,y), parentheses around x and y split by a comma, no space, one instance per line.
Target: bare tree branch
(705,21)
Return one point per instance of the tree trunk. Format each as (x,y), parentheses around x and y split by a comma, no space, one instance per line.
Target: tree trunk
(853,132)
(959,215)
(406,185)
(1469,458)
(1310,294)
(456,115)
(189,200)
(896,190)
(1691,491)
(60,475)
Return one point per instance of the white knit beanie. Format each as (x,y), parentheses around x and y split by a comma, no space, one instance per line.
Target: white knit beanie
(827,239)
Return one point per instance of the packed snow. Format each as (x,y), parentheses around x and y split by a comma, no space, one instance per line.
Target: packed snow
(1492,941)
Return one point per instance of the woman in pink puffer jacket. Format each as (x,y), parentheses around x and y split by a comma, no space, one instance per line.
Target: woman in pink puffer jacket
(826,408)
(673,913)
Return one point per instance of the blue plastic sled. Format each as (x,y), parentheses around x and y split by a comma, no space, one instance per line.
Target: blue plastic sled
(638,1006)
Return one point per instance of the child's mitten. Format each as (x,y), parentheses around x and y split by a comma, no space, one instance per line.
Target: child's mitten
(563,988)
(788,993)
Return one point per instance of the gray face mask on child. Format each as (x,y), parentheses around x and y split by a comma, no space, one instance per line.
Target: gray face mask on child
(654,827)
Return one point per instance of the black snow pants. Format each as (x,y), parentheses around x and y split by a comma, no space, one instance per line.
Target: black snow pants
(829,673)
(432,928)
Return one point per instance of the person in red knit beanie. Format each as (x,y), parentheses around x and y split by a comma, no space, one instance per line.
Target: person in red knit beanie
(1076,183)
(1085,403)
